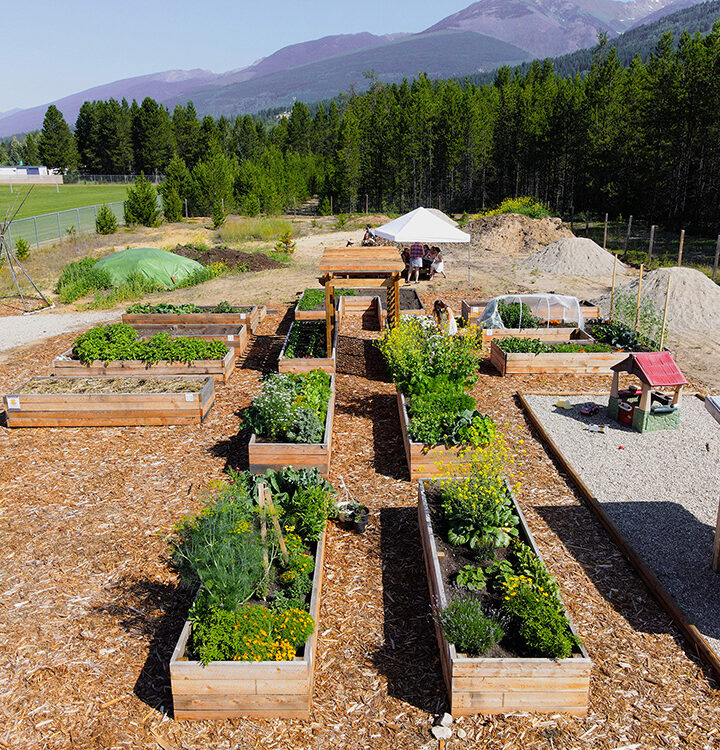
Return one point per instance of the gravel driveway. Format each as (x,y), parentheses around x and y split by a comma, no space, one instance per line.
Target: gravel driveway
(18,330)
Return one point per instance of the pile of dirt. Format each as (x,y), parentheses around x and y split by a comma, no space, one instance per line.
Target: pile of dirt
(514,233)
(573,256)
(231,258)
(694,298)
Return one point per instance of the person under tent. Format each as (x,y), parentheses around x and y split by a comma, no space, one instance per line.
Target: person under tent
(416,261)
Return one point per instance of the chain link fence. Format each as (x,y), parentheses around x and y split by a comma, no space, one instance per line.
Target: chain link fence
(45,228)
(112,179)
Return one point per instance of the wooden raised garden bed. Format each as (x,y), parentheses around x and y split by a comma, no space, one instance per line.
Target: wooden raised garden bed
(429,461)
(410,304)
(234,336)
(552,335)
(267,455)
(579,363)
(128,405)
(220,369)
(250,316)
(472,312)
(306,364)
(233,689)
(482,685)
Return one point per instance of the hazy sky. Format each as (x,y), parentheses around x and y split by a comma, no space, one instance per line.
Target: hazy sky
(55,48)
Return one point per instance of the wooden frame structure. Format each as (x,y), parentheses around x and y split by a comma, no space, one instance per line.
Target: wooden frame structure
(353,268)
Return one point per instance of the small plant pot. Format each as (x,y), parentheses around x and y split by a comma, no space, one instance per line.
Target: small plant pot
(360,519)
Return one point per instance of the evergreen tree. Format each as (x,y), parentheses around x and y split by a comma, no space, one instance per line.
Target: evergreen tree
(186,131)
(87,138)
(31,153)
(299,129)
(105,221)
(175,189)
(213,182)
(57,145)
(141,204)
(152,137)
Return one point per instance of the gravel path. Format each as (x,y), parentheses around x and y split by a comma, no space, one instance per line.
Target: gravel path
(660,489)
(18,330)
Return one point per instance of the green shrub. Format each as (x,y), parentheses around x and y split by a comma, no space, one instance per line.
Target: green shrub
(324,208)
(80,278)
(525,205)
(172,205)
(105,221)
(119,341)
(517,315)
(465,625)
(22,248)
(291,408)
(141,205)
(218,215)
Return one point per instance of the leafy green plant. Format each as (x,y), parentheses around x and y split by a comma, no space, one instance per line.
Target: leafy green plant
(517,345)
(307,339)
(285,244)
(525,205)
(119,341)
(312,298)
(471,577)
(22,248)
(165,308)
(616,334)
(105,221)
(291,408)
(80,278)
(465,624)
(517,315)
(649,319)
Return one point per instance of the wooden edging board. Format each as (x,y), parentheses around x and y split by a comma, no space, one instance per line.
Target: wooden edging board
(253,317)
(306,364)
(359,303)
(429,461)
(481,685)
(579,363)
(472,311)
(109,409)
(233,336)
(546,335)
(649,578)
(263,689)
(264,456)
(220,369)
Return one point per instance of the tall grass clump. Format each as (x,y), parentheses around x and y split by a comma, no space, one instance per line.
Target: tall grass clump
(80,278)
(264,229)
(525,205)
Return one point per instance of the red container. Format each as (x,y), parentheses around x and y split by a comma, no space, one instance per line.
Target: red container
(625,413)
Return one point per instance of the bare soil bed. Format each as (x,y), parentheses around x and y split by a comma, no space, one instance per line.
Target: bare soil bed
(92,610)
(231,258)
(111,385)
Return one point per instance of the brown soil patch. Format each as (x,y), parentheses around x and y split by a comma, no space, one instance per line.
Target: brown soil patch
(514,233)
(231,258)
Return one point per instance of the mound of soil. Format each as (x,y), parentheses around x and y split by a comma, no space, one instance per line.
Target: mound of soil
(694,298)
(573,256)
(514,233)
(231,258)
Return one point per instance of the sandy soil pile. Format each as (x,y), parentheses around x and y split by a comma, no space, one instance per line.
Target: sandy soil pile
(573,256)
(514,233)
(694,298)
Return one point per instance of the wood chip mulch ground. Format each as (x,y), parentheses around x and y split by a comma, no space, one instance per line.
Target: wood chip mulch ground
(91,610)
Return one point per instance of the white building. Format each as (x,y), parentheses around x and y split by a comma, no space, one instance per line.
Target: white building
(28,174)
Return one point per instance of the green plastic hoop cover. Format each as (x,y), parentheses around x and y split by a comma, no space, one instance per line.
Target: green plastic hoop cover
(162,267)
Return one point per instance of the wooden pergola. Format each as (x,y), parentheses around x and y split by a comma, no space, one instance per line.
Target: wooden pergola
(360,267)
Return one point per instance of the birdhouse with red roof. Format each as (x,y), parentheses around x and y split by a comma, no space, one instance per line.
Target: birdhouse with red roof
(648,408)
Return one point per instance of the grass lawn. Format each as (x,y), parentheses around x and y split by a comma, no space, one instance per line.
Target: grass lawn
(44,199)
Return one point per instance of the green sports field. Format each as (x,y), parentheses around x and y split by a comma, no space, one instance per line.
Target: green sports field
(44,199)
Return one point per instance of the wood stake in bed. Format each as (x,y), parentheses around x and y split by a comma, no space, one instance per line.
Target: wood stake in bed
(266,503)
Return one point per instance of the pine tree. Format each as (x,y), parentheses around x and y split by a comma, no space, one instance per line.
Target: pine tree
(57,145)
(31,154)
(141,204)
(152,137)
(105,221)
(213,181)
(299,129)
(186,131)
(175,189)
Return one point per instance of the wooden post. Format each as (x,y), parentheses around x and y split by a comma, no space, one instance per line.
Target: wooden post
(612,289)
(605,232)
(717,258)
(627,236)
(263,530)
(276,524)
(396,278)
(637,309)
(682,243)
(667,302)
(329,314)
(652,242)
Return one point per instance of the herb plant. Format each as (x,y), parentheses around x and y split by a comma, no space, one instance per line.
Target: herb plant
(465,625)
(517,315)
(471,577)
(313,298)
(307,339)
(165,308)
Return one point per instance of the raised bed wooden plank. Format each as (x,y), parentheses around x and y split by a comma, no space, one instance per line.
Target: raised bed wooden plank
(429,461)
(233,336)
(480,685)
(220,369)
(233,689)
(579,363)
(264,456)
(546,335)
(250,316)
(306,364)
(109,409)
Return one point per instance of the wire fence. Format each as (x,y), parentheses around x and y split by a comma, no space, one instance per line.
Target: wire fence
(74,179)
(38,230)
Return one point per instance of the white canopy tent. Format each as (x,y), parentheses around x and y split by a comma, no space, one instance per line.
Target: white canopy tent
(422,225)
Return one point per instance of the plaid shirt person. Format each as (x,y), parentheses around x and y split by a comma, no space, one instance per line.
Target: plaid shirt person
(416,250)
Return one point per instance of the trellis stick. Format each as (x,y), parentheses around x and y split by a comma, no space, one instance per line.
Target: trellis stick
(605,232)
(612,288)
(263,530)
(276,524)
(627,236)
(682,243)
(667,302)
(637,309)
(652,242)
